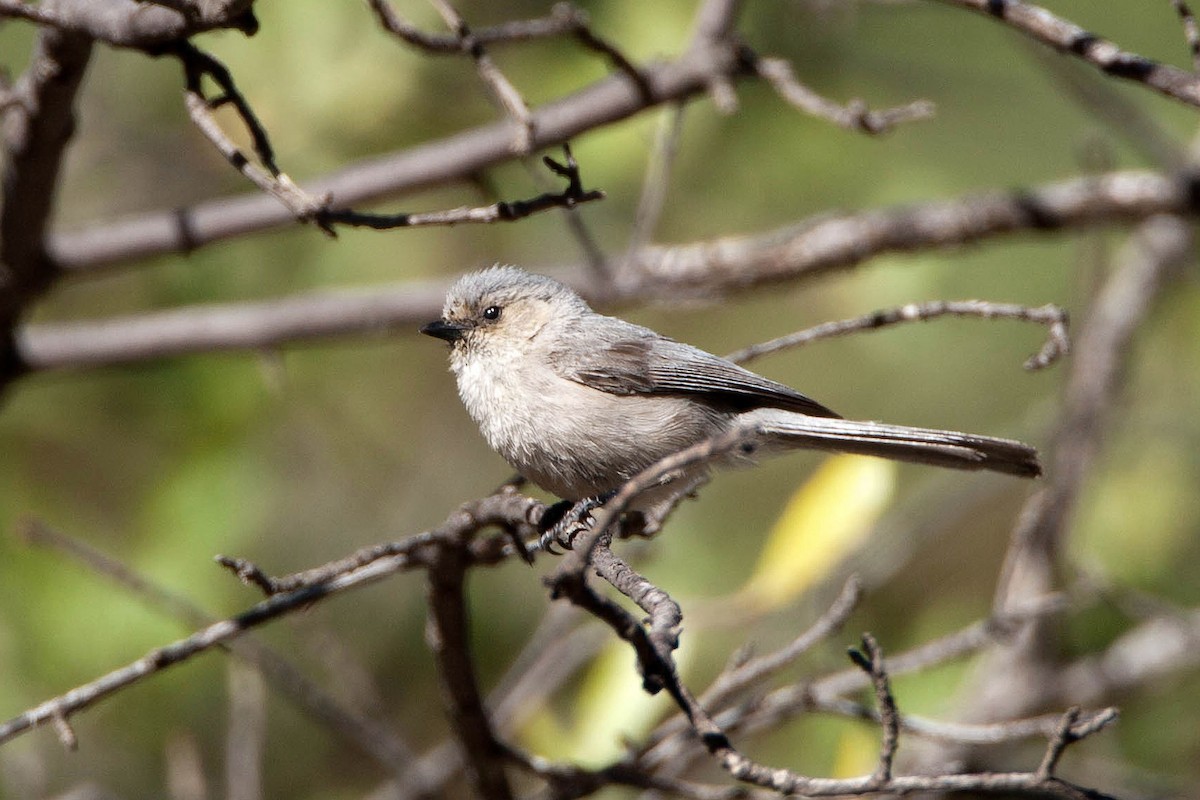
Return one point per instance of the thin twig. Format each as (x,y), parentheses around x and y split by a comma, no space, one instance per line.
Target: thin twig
(853,116)
(1053,317)
(506,506)
(501,89)
(196,65)
(1191,31)
(503,211)
(564,20)
(870,661)
(1070,39)
(654,184)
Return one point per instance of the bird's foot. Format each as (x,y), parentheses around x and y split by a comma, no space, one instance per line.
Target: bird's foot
(564,521)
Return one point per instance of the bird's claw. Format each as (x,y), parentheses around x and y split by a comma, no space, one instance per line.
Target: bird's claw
(564,521)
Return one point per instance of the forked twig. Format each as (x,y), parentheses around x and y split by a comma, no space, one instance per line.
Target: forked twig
(504,211)
(196,65)
(853,116)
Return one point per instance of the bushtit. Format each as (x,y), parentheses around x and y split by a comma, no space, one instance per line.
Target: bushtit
(579,402)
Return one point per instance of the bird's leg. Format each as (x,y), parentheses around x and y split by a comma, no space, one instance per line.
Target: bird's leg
(565,520)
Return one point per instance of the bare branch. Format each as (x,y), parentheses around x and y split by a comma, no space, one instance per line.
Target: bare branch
(809,248)
(502,211)
(196,65)
(376,740)
(447,637)
(823,244)
(1054,318)
(854,116)
(506,506)
(564,20)
(1070,39)
(147,26)
(452,159)
(1191,31)
(39,125)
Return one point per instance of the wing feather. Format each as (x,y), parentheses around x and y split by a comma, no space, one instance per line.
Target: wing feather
(635,360)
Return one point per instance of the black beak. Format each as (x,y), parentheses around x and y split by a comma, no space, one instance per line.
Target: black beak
(449,331)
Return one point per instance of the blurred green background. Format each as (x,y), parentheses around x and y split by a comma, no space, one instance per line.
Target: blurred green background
(296,457)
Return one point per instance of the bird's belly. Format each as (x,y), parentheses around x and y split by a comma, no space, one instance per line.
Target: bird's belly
(575,441)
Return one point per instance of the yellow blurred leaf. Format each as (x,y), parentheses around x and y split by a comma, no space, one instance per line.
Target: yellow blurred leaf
(824,521)
(857,753)
(610,708)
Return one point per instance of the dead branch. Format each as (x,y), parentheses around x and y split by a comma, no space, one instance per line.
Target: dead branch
(39,125)
(503,211)
(809,248)
(507,506)
(446,635)
(1069,39)
(268,177)
(1051,316)
(1191,31)
(854,116)
(374,739)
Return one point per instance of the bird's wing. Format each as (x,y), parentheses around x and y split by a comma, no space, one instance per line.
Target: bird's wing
(639,361)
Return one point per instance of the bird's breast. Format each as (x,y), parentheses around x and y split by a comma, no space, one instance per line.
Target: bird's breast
(568,438)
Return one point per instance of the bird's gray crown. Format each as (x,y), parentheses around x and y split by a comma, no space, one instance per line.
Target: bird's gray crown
(502,284)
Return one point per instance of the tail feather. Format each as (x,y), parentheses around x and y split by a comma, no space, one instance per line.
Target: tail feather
(899,442)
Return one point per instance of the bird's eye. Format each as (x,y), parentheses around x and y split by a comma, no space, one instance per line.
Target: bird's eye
(491,312)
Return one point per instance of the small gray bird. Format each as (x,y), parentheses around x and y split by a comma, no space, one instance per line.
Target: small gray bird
(579,402)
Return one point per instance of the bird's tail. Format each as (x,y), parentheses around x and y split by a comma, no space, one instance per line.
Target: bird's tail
(899,442)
